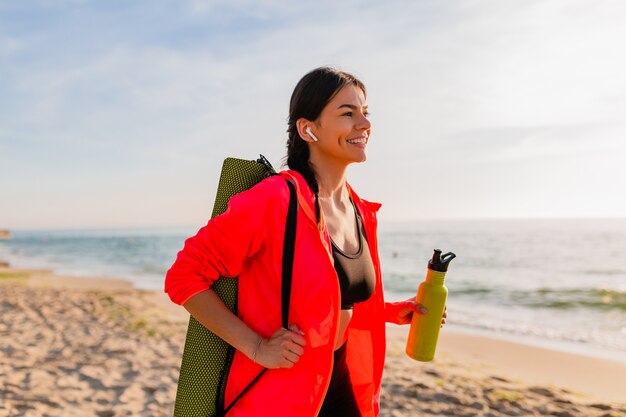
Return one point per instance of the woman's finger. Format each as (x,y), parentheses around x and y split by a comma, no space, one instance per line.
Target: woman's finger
(291,357)
(295,328)
(296,335)
(286,364)
(297,339)
(289,346)
(295,348)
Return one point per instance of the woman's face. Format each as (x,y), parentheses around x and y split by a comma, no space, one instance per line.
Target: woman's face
(343,128)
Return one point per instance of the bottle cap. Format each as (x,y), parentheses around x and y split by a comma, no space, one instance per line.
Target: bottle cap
(440,262)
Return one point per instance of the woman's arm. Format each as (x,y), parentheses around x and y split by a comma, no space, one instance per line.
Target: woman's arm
(282,350)
(219,249)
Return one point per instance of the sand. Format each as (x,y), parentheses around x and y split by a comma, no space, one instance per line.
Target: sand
(98,347)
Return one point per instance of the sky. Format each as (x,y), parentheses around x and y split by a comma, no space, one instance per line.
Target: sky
(119,114)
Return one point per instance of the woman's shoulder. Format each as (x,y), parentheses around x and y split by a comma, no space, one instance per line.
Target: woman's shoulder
(273,186)
(272,190)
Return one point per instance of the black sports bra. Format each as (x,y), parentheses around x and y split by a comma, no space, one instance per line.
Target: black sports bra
(357,277)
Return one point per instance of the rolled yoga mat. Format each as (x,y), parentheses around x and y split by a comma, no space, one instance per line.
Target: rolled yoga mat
(206,357)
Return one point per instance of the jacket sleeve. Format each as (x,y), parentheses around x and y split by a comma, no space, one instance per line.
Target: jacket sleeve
(221,247)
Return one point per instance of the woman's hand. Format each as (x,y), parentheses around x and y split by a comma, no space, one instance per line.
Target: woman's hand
(401,312)
(282,350)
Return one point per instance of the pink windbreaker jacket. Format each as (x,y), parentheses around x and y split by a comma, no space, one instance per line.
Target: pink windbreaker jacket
(247,241)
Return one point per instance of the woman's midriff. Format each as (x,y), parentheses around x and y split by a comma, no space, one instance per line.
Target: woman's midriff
(344,319)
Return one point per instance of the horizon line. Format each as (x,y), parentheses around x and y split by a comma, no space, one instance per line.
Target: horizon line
(383,221)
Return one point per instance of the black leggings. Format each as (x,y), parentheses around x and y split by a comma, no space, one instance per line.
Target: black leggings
(340,400)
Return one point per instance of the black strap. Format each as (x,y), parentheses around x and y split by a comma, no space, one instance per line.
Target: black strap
(288,251)
(287,273)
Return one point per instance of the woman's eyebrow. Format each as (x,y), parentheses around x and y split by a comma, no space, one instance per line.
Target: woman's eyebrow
(351,106)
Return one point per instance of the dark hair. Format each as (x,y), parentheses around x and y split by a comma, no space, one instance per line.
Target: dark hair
(311,95)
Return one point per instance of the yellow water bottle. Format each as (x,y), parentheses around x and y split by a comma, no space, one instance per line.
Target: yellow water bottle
(432,294)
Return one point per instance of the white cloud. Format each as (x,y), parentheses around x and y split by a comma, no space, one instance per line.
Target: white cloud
(469,94)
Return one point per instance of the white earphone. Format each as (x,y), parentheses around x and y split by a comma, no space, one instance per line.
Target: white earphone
(308,130)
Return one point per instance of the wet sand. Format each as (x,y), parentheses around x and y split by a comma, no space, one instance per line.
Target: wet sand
(98,347)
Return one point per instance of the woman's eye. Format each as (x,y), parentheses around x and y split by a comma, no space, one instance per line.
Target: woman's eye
(350,114)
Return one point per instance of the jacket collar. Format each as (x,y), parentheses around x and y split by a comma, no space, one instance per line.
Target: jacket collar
(370,205)
(306,198)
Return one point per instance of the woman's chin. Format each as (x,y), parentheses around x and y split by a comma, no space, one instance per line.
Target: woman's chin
(361,158)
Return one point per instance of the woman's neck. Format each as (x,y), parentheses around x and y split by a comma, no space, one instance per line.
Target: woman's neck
(331,180)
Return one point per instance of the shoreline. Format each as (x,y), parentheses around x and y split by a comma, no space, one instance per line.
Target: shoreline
(472,375)
(42,275)
(591,378)
(560,346)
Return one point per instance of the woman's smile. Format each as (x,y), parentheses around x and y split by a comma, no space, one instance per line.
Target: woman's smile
(360,142)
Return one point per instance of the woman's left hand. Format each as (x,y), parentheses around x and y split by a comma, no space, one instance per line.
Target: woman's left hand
(401,312)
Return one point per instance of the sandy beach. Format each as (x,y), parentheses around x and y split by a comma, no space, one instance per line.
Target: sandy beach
(97,347)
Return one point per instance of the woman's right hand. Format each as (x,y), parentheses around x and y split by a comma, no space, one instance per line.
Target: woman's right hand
(282,350)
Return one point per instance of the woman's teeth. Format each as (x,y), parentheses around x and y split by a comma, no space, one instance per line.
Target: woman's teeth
(362,140)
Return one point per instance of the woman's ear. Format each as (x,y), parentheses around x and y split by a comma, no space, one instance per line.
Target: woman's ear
(305,130)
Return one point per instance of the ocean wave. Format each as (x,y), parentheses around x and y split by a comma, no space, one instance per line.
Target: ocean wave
(581,335)
(550,298)
(473,291)
(569,298)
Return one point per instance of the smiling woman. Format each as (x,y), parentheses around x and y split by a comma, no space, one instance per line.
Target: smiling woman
(329,361)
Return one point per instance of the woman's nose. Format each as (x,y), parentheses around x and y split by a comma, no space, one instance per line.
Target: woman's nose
(364,123)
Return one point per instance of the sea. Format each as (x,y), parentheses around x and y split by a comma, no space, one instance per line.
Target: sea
(559,284)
